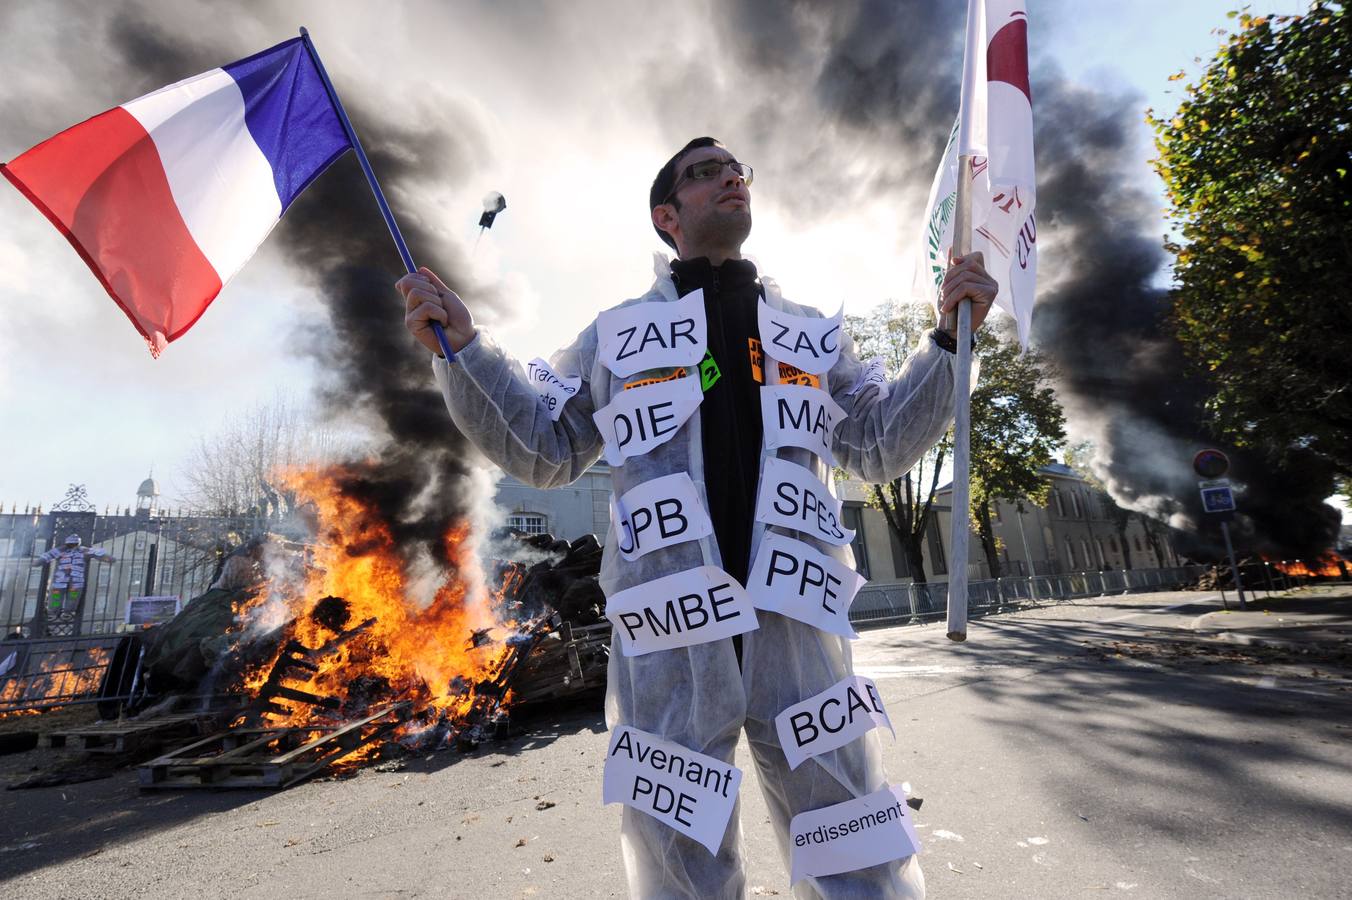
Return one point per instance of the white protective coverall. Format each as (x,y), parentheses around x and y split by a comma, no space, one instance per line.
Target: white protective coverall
(696,696)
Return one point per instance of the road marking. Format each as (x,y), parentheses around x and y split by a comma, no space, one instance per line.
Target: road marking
(1152,610)
(876,672)
(1267,681)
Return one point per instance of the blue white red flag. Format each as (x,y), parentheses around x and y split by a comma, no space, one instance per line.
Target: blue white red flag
(995,127)
(167,196)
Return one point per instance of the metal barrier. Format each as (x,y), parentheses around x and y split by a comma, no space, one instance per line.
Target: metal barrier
(918,602)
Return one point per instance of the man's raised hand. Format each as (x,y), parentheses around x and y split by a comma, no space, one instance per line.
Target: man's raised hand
(428,300)
(967,278)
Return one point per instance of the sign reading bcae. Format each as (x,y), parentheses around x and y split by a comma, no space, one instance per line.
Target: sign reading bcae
(790,578)
(809,342)
(553,389)
(691,607)
(652,335)
(875,373)
(852,835)
(638,420)
(657,514)
(688,791)
(795,416)
(831,719)
(793,497)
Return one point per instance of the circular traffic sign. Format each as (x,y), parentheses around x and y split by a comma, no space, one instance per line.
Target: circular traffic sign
(1211,464)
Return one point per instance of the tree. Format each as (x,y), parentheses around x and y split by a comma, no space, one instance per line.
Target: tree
(891,332)
(1017,426)
(1079,456)
(1255,162)
(237,469)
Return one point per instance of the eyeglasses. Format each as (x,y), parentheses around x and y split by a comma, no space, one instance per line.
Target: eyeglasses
(710,168)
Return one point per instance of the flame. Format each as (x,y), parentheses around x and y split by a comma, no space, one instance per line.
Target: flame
(1327,565)
(389,646)
(62,676)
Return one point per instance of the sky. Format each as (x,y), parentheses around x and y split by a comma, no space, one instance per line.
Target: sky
(567,110)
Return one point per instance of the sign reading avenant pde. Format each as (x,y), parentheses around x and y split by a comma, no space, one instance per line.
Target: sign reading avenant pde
(685,790)
(690,607)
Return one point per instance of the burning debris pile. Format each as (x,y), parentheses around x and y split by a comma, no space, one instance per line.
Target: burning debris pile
(342,649)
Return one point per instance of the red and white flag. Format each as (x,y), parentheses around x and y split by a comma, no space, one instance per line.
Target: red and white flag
(167,196)
(995,127)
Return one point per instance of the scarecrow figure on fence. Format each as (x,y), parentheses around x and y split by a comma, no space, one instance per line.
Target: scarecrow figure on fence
(67,584)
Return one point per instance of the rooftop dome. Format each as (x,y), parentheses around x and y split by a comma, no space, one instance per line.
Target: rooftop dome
(148,488)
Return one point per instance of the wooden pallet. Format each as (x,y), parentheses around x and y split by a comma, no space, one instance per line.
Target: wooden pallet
(132,735)
(265,757)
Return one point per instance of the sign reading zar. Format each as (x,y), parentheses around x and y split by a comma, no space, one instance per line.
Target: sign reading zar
(657,514)
(691,607)
(653,335)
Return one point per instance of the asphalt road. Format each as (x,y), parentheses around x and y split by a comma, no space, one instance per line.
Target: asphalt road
(1098,748)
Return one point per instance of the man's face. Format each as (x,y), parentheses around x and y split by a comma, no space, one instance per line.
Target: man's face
(714,212)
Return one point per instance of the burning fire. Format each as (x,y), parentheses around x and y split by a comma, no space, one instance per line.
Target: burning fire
(61,676)
(1328,565)
(354,609)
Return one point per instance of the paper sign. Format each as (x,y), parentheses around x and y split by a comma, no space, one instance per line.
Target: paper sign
(809,342)
(638,420)
(795,416)
(790,578)
(554,390)
(793,497)
(657,514)
(152,610)
(852,835)
(831,719)
(678,787)
(691,607)
(8,662)
(653,335)
(875,373)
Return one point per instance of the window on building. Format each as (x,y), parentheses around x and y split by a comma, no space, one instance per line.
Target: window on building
(530,523)
(1060,506)
(1136,539)
(1084,554)
(1112,542)
(1102,557)
(901,565)
(936,546)
(1070,555)
(852,517)
(1075,503)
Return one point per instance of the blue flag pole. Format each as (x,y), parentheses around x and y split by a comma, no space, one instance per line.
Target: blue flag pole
(371,180)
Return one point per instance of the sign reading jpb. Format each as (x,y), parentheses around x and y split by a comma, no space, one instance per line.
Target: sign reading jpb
(657,514)
(691,792)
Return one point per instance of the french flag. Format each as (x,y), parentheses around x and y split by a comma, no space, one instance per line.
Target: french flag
(167,196)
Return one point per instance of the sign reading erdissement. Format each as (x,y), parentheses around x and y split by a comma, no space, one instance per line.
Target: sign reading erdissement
(691,792)
(852,835)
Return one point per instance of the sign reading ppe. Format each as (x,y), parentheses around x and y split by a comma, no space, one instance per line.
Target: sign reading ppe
(553,389)
(636,421)
(688,791)
(790,578)
(804,417)
(874,373)
(690,607)
(653,335)
(809,342)
(852,835)
(657,514)
(793,497)
(831,719)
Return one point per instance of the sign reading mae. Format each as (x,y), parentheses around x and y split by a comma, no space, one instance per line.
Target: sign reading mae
(852,835)
(831,719)
(657,514)
(653,335)
(638,420)
(791,496)
(795,416)
(790,578)
(147,611)
(691,607)
(809,342)
(688,791)
(554,389)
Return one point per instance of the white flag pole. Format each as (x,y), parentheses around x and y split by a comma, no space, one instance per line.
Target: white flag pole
(962,375)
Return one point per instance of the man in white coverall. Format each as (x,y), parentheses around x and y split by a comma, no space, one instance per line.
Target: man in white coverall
(685,390)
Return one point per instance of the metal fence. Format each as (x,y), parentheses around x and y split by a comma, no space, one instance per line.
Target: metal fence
(878,604)
(155,555)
